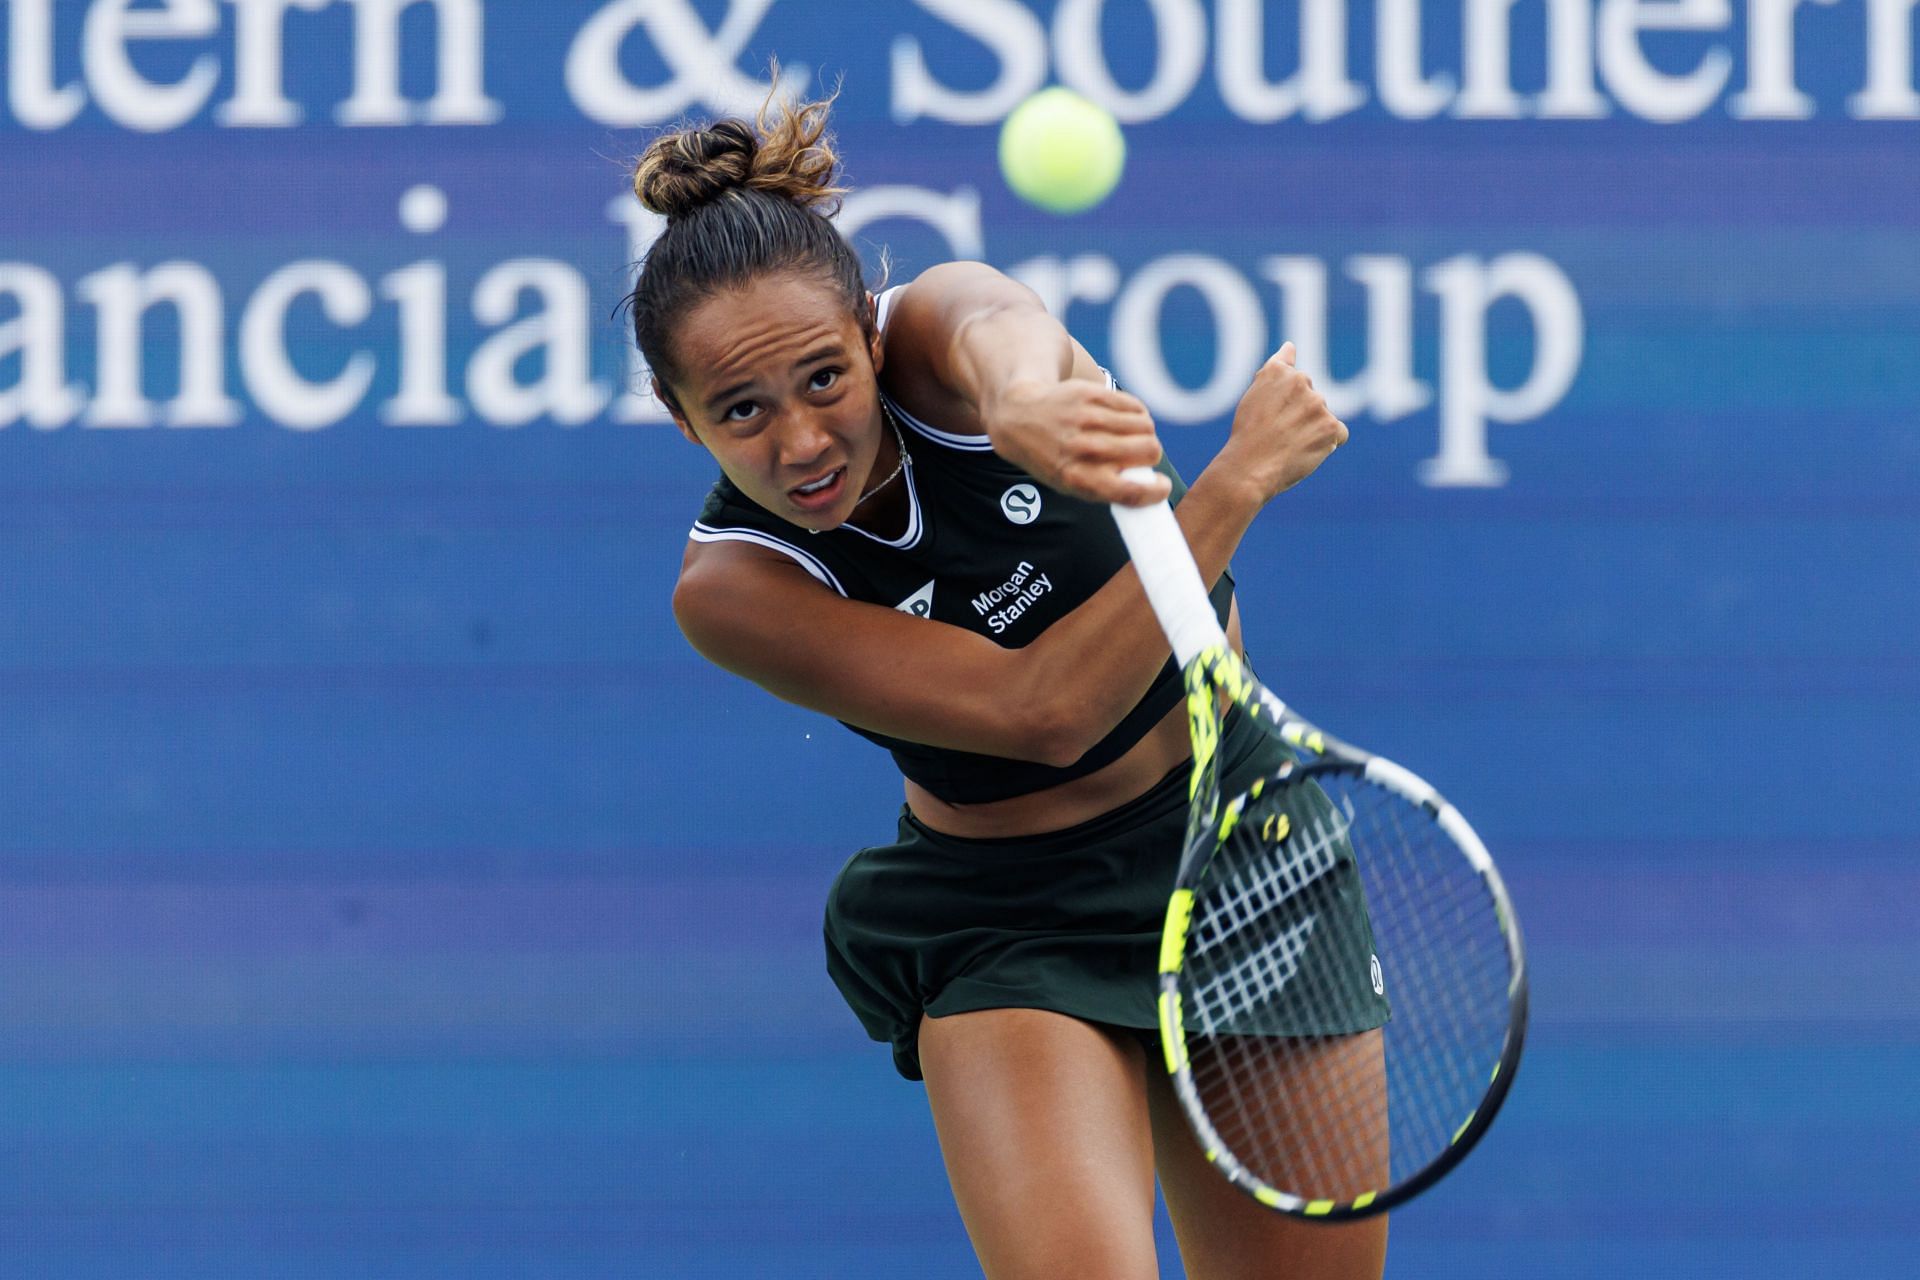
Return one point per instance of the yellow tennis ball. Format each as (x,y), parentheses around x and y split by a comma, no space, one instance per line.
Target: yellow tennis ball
(1062,152)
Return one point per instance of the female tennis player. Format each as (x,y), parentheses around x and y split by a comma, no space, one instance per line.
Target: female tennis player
(911,534)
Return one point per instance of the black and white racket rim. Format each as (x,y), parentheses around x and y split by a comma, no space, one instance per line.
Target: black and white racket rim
(1343,991)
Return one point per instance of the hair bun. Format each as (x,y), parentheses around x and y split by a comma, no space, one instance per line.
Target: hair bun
(682,171)
(786,152)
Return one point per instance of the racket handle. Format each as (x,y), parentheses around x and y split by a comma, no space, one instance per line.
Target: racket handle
(1168,573)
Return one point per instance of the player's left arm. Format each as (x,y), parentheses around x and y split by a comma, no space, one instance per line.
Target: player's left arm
(976,350)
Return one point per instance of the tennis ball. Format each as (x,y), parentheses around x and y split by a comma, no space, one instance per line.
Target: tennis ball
(1062,152)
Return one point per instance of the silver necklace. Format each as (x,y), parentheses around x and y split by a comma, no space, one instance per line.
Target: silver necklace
(901,442)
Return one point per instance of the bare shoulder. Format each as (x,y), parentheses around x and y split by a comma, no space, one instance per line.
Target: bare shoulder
(725,586)
(934,304)
(925,317)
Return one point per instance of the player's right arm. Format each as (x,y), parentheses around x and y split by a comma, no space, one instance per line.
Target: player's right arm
(758,614)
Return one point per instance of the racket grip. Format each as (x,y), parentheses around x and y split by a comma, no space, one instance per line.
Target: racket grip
(1167,571)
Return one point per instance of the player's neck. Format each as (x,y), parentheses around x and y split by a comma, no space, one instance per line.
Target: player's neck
(887,509)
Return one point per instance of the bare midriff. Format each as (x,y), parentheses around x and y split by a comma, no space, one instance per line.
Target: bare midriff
(1165,747)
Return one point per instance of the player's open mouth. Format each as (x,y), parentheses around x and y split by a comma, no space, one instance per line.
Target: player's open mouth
(820,493)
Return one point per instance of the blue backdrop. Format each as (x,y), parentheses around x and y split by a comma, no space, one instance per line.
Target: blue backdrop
(387,890)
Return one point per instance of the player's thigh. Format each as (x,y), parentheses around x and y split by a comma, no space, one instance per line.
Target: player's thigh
(1043,1124)
(1224,1233)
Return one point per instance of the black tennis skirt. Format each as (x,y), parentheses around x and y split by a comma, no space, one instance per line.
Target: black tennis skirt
(1067,921)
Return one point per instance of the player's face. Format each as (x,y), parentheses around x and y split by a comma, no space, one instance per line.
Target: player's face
(780,385)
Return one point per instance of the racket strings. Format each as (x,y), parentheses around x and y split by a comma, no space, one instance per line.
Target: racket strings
(1335,1146)
(1278,987)
(1439,911)
(1432,914)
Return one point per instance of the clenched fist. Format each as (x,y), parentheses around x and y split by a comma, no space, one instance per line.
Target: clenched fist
(1282,430)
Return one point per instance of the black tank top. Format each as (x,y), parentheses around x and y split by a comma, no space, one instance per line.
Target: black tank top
(987,548)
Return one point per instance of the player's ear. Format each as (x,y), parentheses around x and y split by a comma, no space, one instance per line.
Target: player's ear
(673,407)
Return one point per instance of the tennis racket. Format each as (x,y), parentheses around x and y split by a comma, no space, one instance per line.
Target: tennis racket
(1343,992)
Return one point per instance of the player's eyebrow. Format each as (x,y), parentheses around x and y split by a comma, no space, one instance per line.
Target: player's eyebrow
(831,349)
(719,398)
(828,350)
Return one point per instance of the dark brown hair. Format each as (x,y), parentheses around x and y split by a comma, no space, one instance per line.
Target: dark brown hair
(741,201)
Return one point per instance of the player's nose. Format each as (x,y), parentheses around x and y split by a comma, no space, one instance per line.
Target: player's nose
(804,440)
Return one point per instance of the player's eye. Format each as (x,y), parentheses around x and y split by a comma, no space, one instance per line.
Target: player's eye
(745,411)
(823,379)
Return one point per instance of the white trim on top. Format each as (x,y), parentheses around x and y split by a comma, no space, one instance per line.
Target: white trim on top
(883,306)
(951,439)
(811,563)
(882,311)
(915,526)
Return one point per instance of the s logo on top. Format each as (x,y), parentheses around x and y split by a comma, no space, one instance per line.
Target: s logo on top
(1021,504)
